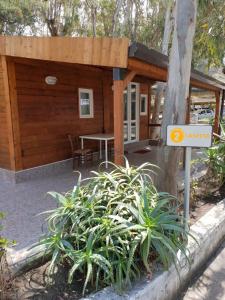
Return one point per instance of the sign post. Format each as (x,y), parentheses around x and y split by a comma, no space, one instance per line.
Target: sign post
(187,182)
(188,136)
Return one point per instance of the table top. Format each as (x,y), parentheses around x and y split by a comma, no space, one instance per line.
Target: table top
(98,136)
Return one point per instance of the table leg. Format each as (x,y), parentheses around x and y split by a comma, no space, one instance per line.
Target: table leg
(100,150)
(106,154)
(82,147)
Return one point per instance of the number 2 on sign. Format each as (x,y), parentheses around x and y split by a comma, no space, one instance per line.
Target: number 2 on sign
(177,135)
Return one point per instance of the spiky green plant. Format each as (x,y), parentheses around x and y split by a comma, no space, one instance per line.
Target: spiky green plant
(216,158)
(4,243)
(107,227)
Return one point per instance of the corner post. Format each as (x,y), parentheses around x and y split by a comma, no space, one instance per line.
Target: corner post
(118,105)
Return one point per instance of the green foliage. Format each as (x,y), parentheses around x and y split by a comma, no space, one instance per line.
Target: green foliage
(17,16)
(4,243)
(110,226)
(216,158)
(61,16)
(139,20)
(209,46)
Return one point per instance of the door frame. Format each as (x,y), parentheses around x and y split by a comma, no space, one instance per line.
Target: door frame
(129,112)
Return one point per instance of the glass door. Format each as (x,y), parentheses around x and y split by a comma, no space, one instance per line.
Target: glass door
(131,113)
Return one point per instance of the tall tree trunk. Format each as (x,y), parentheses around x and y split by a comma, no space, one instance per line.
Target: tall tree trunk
(136,19)
(93,19)
(92,5)
(52,17)
(115,17)
(168,26)
(174,111)
(129,19)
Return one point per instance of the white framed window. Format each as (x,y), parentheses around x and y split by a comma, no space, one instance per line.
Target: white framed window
(143,105)
(86,107)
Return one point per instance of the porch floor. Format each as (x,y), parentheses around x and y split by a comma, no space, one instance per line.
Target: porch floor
(22,202)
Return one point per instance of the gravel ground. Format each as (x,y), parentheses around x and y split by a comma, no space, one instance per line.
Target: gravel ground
(22,202)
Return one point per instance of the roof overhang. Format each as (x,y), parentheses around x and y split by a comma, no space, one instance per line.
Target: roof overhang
(148,60)
(104,52)
(108,52)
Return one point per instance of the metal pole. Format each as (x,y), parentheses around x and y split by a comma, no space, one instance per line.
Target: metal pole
(187,186)
(106,154)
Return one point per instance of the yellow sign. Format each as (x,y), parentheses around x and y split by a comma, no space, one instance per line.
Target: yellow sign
(177,135)
(189,135)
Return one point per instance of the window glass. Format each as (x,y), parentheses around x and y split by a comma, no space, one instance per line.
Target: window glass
(86,103)
(125,132)
(125,105)
(143,104)
(133,131)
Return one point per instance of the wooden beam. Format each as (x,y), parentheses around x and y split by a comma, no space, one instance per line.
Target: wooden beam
(128,78)
(118,122)
(14,114)
(119,85)
(150,71)
(90,51)
(160,74)
(204,86)
(8,113)
(143,79)
(107,95)
(217,113)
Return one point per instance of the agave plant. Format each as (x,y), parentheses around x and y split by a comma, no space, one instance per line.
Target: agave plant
(4,243)
(107,227)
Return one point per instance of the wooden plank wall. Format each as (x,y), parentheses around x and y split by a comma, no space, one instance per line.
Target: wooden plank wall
(5,161)
(108,102)
(48,113)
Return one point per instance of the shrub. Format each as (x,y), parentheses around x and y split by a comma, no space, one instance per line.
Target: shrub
(5,278)
(4,243)
(216,159)
(112,226)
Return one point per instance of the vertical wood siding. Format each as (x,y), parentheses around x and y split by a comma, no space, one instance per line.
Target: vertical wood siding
(4,137)
(48,113)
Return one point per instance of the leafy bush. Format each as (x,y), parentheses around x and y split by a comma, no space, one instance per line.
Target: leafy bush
(4,243)
(112,226)
(216,158)
(5,276)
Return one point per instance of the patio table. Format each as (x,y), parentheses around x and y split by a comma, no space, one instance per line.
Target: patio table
(100,137)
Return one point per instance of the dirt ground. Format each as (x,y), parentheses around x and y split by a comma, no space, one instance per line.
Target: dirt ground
(33,285)
(202,206)
(37,285)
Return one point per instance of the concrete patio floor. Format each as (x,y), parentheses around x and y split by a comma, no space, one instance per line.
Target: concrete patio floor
(22,202)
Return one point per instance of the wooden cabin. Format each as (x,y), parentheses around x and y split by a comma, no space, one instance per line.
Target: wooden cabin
(43,80)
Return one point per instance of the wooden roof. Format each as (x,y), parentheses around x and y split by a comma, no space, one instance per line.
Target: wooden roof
(160,61)
(90,51)
(104,52)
